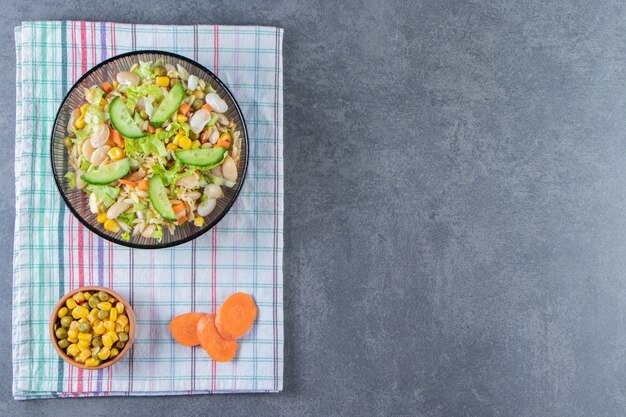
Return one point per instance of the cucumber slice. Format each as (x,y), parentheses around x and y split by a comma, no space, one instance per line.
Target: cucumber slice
(204,158)
(122,121)
(108,173)
(158,197)
(168,106)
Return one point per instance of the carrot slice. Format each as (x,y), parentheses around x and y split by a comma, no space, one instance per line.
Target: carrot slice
(115,136)
(235,316)
(107,87)
(218,348)
(142,185)
(184,328)
(204,320)
(129,183)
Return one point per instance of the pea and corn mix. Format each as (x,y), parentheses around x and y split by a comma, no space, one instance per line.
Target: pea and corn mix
(92,328)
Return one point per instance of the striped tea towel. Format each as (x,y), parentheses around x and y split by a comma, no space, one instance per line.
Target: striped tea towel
(54,253)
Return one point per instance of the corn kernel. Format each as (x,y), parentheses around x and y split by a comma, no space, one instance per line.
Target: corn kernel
(74,325)
(119,327)
(163,81)
(93,314)
(181,118)
(103,102)
(113,314)
(177,138)
(102,217)
(84,355)
(198,221)
(104,353)
(184,142)
(119,307)
(104,305)
(127,328)
(116,153)
(83,108)
(73,349)
(72,332)
(114,353)
(112,226)
(79,312)
(78,297)
(72,339)
(85,337)
(109,325)
(87,295)
(122,319)
(84,345)
(106,340)
(62,312)
(92,362)
(80,123)
(172,146)
(115,84)
(70,303)
(196,144)
(112,335)
(98,328)
(83,319)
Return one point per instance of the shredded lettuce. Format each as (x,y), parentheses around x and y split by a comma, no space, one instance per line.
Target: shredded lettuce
(144,70)
(94,94)
(84,164)
(105,194)
(71,179)
(158,232)
(175,126)
(127,217)
(139,207)
(134,93)
(125,236)
(94,116)
(146,145)
(81,134)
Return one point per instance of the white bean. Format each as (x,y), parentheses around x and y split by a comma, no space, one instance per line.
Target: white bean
(128,78)
(193,195)
(189,181)
(216,102)
(99,155)
(204,209)
(93,203)
(215,135)
(213,191)
(229,169)
(87,150)
(116,209)
(199,120)
(192,83)
(217,171)
(100,136)
(223,120)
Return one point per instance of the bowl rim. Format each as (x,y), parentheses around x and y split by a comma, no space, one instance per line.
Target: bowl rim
(192,236)
(131,332)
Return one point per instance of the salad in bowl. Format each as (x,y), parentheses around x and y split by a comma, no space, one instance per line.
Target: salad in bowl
(152,149)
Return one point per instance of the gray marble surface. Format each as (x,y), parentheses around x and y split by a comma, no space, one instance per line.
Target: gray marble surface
(455,185)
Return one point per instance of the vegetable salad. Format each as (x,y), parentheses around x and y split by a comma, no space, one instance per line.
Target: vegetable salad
(152,149)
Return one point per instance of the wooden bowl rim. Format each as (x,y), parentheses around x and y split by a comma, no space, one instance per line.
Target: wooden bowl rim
(131,332)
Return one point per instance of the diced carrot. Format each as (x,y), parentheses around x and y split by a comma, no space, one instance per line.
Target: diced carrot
(184,328)
(115,136)
(183,219)
(151,128)
(107,87)
(178,207)
(142,185)
(235,316)
(184,109)
(207,107)
(129,183)
(218,348)
(224,142)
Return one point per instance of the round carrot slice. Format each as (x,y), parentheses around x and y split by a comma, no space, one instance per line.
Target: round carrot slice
(206,318)
(184,328)
(235,316)
(218,348)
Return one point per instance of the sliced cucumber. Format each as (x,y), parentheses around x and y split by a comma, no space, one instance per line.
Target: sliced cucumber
(122,121)
(108,173)
(158,197)
(204,158)
(168,106)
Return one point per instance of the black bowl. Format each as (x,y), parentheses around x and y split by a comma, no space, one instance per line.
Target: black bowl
(76,199)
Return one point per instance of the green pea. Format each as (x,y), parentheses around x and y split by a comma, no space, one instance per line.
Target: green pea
(143,114)
(120,344)
(93,301)
(193,135)
(66,321)
(96,341)
(123,336)
(64,343)
(103,314)
(160,70)
(84,327)
(197,104)
(199,94)
(61,333)
(103,296)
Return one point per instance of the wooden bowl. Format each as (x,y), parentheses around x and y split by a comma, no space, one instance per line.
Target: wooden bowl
(127,310)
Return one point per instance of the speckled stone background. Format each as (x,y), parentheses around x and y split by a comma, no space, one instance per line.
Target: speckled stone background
(455,179)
